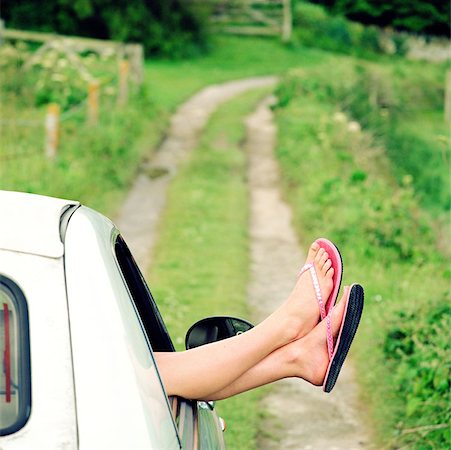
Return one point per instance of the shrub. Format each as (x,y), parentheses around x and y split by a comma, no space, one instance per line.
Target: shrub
(416,346)
(370,39)
(315,27)
(339,185)
(173,28)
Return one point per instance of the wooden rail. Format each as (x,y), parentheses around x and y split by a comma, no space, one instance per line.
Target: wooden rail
(134,53)
(251,17)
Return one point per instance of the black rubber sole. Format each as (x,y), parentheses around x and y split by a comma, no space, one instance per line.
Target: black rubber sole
(352,320)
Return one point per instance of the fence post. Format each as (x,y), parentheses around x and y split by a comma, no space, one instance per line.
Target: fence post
(124,68)
(287,21)
(2,27)
(52,130)
(93,102)
(447,108)
(135,54)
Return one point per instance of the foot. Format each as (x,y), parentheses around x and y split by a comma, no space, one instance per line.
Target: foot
(303,301)
(309,354)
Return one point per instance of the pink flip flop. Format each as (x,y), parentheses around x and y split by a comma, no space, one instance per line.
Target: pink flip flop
(326,306)
(339,350)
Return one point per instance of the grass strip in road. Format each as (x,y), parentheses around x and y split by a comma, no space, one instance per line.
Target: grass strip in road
(201,261)
(97,164)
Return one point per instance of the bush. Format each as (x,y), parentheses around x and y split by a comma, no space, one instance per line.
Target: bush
(370,39)
(401,44)
(52,77)
(314,27)
(339,184)
(173,28)
(392,102)
(416,346)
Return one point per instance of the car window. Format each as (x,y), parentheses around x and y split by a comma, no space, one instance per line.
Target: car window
(146,309)
(15,389)
(144,302)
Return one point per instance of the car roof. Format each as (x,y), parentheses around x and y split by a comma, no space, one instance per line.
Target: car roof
(30,223)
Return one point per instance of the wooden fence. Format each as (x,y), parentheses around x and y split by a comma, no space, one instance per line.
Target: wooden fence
(133,53)
(251,17)
(130,65)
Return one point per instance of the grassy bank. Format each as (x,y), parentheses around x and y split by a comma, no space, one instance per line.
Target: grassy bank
(401,102)
(341,184)
(232,57)
(96,164)
(201,261)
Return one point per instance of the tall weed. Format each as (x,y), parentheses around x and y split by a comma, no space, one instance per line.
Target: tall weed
(402,106)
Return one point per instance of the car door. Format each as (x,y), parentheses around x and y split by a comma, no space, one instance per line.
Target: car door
(197,423)
(120,400)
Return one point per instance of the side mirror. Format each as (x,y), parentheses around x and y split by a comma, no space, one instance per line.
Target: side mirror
(212,329)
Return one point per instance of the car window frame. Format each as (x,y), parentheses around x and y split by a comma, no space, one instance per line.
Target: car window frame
(143,300)
(25,402)
(184,411)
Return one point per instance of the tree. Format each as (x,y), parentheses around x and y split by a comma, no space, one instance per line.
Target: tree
(419,16)
(171,27)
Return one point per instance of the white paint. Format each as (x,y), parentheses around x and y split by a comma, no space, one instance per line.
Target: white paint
(30,223)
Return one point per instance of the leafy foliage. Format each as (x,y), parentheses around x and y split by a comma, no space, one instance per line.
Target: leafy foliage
(338,181)
(315,27)
(418,16)
(94,163)
(417,345)
(170,27)
(390,101)
(53,77)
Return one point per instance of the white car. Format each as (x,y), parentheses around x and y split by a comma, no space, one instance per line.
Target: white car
(78,327)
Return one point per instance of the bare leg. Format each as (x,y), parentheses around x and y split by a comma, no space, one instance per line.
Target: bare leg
(305,358)
(221,363)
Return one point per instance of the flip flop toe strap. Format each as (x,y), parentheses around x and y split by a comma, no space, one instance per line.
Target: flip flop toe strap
(330,338)
(310,267)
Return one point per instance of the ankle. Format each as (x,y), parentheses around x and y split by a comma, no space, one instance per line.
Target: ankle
(293,326)
(307,362)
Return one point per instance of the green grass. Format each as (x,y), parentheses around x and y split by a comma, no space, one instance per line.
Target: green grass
(340,185)
(362,190)
(401,101)
(171,82)
(97,164)
(201,261)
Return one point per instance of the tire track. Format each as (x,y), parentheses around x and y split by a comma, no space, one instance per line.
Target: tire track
(301,415)
(139,216)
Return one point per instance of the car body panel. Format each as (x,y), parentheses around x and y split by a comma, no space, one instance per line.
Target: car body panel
(34,229)
(210,432)
(41,279)
(110,416)
(94,381)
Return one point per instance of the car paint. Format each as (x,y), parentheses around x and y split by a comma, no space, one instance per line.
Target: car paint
(88,380)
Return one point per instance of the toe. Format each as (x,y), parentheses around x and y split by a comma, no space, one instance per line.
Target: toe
(313,250)
(327,266)
(322,259)
(319,255)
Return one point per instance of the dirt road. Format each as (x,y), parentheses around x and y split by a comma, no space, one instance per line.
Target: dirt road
(302,417)
(142,208)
